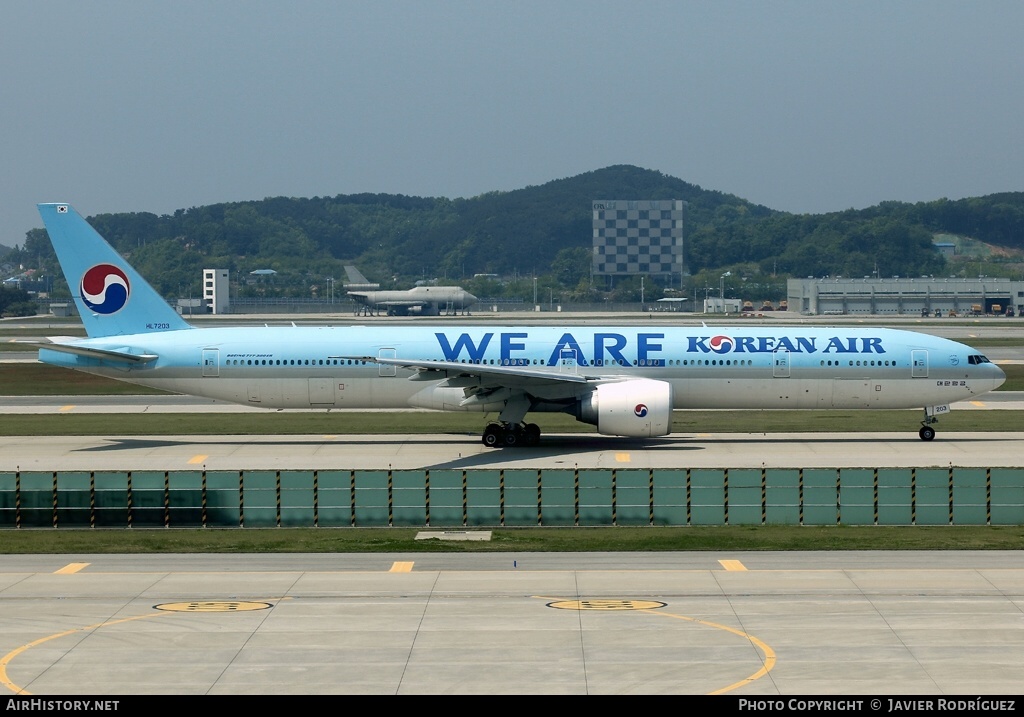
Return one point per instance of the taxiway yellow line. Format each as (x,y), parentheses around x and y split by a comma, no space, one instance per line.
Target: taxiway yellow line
(72,568)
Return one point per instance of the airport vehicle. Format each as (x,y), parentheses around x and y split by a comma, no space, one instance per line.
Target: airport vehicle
(625,380)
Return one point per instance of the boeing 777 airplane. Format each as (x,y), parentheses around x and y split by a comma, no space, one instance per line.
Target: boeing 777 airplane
(624,380)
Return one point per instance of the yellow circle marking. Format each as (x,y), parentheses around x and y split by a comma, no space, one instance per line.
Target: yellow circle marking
(6,659)
(606,605)
(212,606)
(166,608)
(650,605)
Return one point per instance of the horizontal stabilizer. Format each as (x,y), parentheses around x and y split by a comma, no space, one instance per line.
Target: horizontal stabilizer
(120,354)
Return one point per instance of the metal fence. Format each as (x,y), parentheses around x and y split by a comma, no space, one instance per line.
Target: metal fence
(512,497)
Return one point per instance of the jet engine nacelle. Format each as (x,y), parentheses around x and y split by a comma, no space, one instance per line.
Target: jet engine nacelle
(639,407)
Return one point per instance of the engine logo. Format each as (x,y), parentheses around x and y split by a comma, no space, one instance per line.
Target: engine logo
(640,411)
(105,289)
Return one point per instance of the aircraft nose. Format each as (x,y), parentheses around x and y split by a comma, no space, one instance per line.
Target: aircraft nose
(999,378)
(469,298)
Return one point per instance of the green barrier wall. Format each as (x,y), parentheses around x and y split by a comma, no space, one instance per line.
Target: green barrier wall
(512,497)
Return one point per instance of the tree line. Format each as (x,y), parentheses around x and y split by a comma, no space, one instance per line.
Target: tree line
(539,232)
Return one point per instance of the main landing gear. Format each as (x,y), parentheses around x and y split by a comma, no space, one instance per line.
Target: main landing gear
(511,435)
(510,430)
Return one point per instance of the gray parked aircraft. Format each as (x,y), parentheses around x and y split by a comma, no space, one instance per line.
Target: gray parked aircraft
(420,300)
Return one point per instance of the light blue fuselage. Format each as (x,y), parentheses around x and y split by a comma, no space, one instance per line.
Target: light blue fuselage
(782,367)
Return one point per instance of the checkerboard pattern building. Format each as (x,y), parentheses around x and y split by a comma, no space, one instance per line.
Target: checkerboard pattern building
(638,237)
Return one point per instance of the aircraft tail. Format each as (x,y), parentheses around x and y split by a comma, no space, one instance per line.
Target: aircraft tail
(355,276)
(358,282)
(111,297)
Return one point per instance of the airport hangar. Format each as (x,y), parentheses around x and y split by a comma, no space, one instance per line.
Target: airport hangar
(896,296)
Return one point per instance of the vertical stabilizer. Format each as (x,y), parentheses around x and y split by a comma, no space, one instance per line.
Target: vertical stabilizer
(358,282)
(111,297)
(355,276)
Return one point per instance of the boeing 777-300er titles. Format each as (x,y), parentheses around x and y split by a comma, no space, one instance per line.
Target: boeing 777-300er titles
(624,380)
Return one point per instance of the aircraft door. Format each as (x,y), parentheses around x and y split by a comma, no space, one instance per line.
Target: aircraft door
(211,363)
(321,391)
(386,369)
(567,361)
(780,363)
(851,393)
(919,363)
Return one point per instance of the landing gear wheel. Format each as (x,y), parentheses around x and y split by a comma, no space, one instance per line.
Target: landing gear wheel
(927,433)
(512,436)
(493,435)
(531,434)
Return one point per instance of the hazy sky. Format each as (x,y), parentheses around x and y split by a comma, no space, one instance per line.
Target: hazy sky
(800,105)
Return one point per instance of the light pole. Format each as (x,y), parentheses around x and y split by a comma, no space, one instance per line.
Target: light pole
(721,290)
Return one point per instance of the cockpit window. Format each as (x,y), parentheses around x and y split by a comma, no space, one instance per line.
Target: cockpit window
(977,359)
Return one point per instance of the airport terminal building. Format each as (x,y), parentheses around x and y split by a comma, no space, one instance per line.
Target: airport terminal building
(932,296)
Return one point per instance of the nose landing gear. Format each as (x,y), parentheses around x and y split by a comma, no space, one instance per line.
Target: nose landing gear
(927,433)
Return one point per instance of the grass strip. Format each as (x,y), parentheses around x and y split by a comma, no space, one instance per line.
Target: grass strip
(511,540)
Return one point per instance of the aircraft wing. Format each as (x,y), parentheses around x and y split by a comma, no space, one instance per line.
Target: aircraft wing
(485,374)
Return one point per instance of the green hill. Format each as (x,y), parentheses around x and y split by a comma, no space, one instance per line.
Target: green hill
(543,231)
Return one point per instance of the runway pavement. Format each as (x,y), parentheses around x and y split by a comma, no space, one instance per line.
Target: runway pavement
(866,625)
